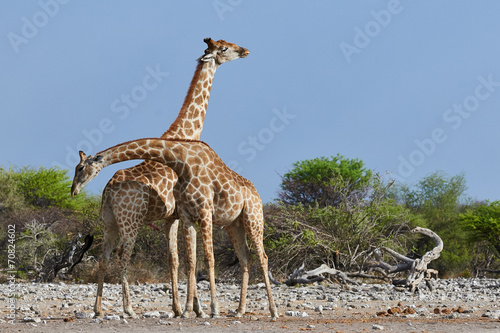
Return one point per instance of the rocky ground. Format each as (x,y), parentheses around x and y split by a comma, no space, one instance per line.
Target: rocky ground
(457,305)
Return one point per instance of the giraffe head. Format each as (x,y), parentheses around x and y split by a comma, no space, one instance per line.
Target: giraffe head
(221,51)
(85,171)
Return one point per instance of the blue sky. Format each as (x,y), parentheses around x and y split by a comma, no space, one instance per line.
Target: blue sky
(409,87)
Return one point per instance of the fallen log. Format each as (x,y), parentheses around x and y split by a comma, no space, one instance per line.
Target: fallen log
(299,276)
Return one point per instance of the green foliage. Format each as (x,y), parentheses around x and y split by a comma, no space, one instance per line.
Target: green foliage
(324,235)
(482,223)
(436,196)
(333,211)
(438,199)
(40,188)
(10,197)
(44,187)
(316,181)
(37,203)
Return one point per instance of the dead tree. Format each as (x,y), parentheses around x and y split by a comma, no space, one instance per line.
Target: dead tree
(71,256)
(417,267)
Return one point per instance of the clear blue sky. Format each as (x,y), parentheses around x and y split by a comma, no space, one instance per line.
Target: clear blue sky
(409,87)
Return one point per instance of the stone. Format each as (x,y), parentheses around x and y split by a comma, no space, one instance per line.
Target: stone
(83,315)
(111,317)
(32,320)
(151,314)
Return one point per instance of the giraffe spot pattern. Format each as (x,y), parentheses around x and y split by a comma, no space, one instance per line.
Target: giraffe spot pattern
(204,188)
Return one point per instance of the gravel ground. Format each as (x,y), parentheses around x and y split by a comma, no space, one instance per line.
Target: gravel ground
(457,305)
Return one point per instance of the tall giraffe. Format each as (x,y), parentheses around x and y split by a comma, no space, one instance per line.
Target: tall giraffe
(207,192)
(144,193)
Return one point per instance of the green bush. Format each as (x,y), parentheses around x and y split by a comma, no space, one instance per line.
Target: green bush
(318,181)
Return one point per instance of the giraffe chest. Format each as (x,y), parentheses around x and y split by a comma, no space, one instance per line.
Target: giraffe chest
(222,204)
(228,205)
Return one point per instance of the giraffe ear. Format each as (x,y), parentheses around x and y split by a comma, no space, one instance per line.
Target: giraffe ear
(98,158)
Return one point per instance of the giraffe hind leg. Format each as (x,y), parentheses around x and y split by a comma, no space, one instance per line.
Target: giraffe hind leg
(130,215)
(124,253)
(254,226)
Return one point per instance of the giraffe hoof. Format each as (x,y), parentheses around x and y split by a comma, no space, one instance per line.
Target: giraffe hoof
(202,315)
(130,313)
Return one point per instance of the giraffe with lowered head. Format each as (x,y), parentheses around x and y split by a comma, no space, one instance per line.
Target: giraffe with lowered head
(144,193)
(207,192)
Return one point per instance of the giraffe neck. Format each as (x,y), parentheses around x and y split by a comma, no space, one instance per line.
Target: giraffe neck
(189,122)
(164,151)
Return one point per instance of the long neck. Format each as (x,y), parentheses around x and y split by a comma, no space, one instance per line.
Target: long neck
(171,153)
(142,149)
(189,122)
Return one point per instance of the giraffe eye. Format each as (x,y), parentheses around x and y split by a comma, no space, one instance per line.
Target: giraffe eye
(80,168)
(224,49)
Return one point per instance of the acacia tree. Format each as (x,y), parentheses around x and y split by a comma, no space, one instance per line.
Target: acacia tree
(318,181)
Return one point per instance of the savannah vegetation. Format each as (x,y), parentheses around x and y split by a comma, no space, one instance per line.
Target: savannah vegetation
(329,210)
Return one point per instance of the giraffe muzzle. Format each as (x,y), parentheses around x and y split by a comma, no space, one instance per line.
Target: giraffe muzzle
(74,190)
(244,52)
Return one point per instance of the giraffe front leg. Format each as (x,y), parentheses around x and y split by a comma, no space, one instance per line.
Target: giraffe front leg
(173,258)
(206,232)
(109,238)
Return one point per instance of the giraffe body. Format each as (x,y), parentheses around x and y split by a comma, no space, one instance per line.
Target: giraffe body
(144,193)
(207,192)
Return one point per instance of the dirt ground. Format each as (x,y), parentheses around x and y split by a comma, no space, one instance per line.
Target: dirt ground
(312,324)
(353,322)
(56,313)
